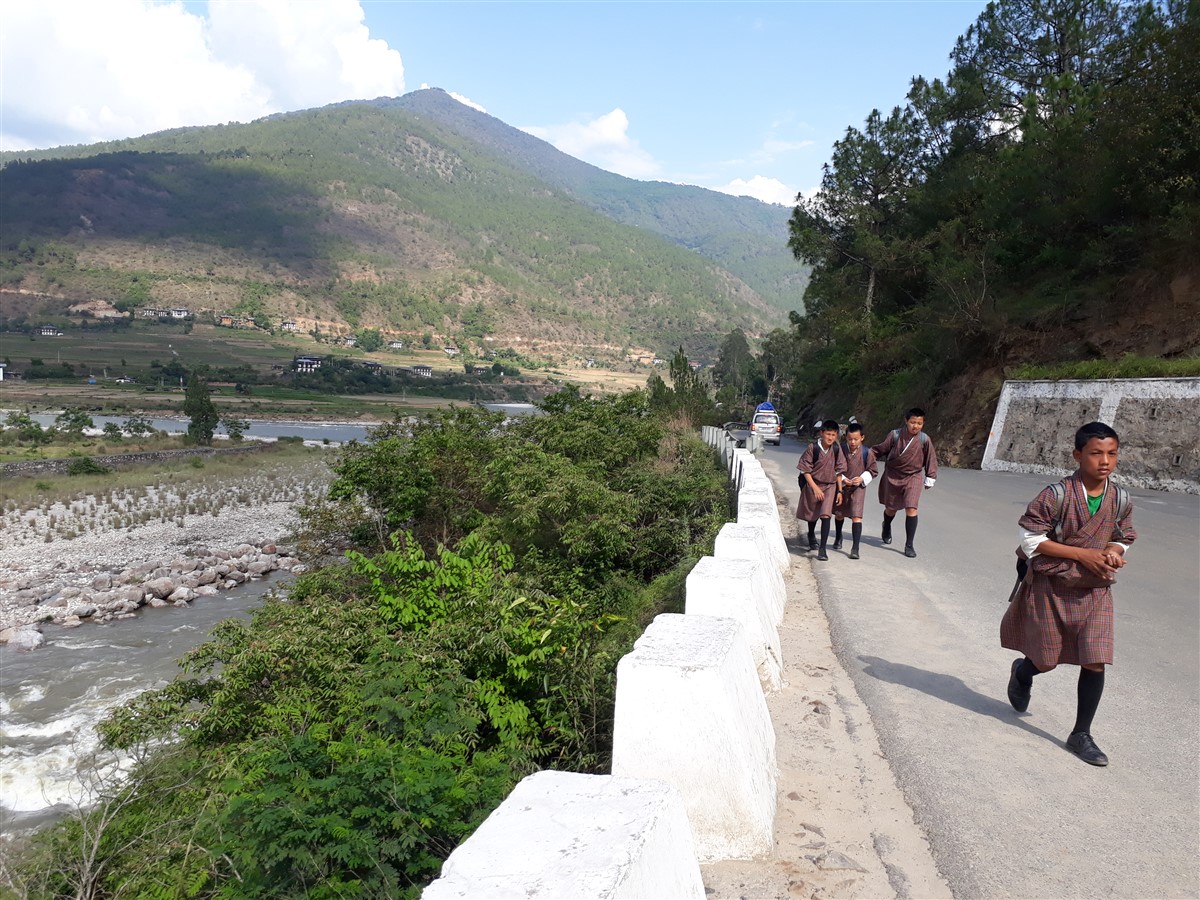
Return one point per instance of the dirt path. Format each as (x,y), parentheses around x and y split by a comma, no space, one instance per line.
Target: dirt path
(842,826)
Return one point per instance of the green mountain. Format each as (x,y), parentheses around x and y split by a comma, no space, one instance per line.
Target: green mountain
(415,215)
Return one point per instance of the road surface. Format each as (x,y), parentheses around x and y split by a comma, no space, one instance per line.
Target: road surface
(1008,810)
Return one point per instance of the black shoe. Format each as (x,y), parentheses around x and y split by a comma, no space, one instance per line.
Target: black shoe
(812,544)
(1081,744)
(854,553)
(1018,696)
(910,552)
(823,556)
(886,537)
(837,545)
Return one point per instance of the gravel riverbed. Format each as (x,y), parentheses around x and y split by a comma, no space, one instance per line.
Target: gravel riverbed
(102,556)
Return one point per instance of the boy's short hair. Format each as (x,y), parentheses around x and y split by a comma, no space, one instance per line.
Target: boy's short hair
(853,426)
(1094,430)
(829,425)
(915,411)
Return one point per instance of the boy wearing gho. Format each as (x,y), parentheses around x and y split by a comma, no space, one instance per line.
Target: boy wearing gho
(821,467)
(1075,536)
(861,468)
(911,466)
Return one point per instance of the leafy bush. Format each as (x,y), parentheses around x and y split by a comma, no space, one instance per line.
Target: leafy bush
(85,465)
(341,743)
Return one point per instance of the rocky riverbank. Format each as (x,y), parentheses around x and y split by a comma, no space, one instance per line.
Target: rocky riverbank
(97,558)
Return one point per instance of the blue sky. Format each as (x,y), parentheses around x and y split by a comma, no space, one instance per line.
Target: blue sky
(742,97)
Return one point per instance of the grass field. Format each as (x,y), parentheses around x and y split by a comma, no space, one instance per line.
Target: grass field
(104,355)
(109,353)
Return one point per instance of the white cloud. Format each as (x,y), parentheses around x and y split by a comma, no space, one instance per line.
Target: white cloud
(768,190)
(465,101)
(603,142)
(78,71)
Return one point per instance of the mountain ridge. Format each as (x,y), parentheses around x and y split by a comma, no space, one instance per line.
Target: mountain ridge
(416,214)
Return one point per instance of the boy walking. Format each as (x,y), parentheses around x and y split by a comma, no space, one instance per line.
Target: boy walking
(911,465)
(1075,535)
(861,469)
(821,466)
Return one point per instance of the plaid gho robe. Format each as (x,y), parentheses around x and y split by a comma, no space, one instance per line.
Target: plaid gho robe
(828,466)
(907,461)
(854,497)
(1050,620)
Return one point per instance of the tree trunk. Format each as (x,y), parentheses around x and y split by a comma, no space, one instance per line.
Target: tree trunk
(870,293)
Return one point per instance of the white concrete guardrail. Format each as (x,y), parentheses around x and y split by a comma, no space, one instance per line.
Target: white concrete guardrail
(694,771)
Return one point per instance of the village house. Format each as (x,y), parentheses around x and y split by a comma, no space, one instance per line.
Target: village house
(1,371)
(304,364)
(395,345)
(231,321)
(49,331)
(450,351)
(288,325)
(423,371)
(180,312)
(154,312)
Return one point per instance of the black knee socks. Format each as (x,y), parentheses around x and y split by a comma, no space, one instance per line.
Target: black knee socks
(812,531)
(856,533)
(838,525)
(1025,672)
(887,526)
(910,530)
(1091,687)
(824,534)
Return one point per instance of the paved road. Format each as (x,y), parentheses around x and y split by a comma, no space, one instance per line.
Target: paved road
(1009,811)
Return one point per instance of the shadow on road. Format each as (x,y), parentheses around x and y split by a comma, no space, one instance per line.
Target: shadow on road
(951,689)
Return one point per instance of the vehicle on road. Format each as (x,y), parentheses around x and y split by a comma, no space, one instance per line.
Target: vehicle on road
(767,424)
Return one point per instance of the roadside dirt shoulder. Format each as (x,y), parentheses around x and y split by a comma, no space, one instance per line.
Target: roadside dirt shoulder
(842,825)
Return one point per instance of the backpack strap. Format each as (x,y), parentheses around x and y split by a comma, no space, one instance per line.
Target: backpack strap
(865,451)
(1059,490)
(1124,502)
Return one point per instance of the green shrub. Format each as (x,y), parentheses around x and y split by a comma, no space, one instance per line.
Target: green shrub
(85,465)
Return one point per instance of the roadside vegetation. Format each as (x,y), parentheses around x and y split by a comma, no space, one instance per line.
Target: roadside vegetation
(1128,366)
(1037,205)
(484,579)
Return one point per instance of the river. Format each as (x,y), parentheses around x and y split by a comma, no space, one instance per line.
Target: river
(52,698)
(267,429)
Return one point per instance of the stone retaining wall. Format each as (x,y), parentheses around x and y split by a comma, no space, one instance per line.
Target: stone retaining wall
(1158,420)
(116,460)
(694,772)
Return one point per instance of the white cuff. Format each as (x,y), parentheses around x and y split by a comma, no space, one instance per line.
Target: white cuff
(1030,541)
(866,478)
(929,481)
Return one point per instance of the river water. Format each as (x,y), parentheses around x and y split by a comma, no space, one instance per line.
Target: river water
(52,698)
(331,432)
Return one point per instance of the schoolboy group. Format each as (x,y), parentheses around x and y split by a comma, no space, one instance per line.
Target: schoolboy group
(1073,540)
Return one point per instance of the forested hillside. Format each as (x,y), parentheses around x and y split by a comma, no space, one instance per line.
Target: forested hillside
(1037,205)
(375,214)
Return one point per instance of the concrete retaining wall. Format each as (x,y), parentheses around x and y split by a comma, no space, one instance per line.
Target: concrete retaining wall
(1158,420)
(694,772)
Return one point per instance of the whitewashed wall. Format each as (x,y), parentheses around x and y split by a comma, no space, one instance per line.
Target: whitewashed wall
(1158,420)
